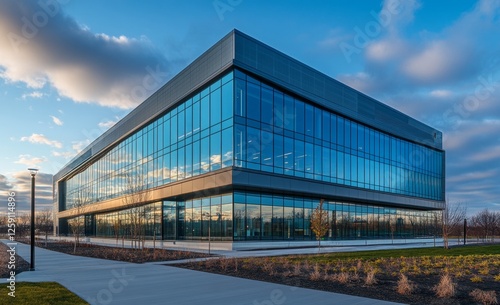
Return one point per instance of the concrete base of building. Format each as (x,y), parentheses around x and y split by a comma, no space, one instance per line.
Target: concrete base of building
(204,246)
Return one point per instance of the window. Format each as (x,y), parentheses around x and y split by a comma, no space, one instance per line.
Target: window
(299,116)
(267,105)
(279,114)
(227,101)
(240,97)
(227,147)
(205,113)
(253,101)
(215,151)
(289,119)
(215,107)
(309,120)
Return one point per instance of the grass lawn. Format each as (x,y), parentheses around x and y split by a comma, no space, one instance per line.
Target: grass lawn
(45,293)
(417,252)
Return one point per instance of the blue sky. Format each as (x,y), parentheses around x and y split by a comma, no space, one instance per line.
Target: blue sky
(70,69)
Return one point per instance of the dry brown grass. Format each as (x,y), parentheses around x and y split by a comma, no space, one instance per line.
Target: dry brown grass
(269,267)
(296,269)
(484,297)
(370,278)
(445,288)
(224,263)
(315,275)
(405,286)
(343,277)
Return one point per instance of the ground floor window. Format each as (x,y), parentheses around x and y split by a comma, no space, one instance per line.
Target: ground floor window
(247,216)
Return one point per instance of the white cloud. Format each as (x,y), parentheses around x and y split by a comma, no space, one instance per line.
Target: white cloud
(489,154)
(41,139)
(20,183)
(78,146)
(106,124)
(64,154)
(397,14)
(56,120)
(385,50)
(34,94)
(438,61)
(28,160)
(440,93)
(81,65)
(396,62)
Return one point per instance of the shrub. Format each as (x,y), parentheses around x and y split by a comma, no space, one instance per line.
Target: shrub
(484,297)
(497,278)
(484,271)
(445,288)
(315,275)
(405,286)
(296,269)
(269,267)
(343,277)
(476,279)
(370,278)
(224,263)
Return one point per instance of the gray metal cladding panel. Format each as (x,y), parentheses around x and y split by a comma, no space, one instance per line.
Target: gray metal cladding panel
(315,86)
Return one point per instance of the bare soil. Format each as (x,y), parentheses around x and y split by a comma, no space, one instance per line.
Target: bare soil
(119,254)
(384,289)
(19,263)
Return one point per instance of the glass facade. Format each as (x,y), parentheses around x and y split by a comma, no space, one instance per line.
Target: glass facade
(259,216)
(278,133)
(121,224)
(240,121)
(191,139)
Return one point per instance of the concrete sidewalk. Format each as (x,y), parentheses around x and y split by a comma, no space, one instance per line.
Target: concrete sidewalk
(110,282)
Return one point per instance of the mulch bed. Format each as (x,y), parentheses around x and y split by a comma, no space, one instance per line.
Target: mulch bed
(118,254)
(384,289)
(20,263)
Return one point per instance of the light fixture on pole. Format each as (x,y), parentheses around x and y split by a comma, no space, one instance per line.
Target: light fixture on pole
(206,214)
(33,172)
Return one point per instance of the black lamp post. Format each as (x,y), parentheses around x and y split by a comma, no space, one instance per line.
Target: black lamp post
(206,214)
(33,172)
(465,231)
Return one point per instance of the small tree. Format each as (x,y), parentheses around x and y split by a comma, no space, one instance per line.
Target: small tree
(77,223)
(44,222)
(136,195)
(453,216)
(319,223)
(117,228)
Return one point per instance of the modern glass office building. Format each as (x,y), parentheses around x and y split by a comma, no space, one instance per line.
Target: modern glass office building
(243,144)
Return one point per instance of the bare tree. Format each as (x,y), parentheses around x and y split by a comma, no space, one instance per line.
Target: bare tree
(3,225)
(44,222)
(319,222)
(436,226)
(23,221)
(485,224)
(453,216)
(117,227)
(136,195)
(77,223)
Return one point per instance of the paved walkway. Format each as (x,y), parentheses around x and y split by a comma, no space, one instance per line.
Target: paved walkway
(110,282)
